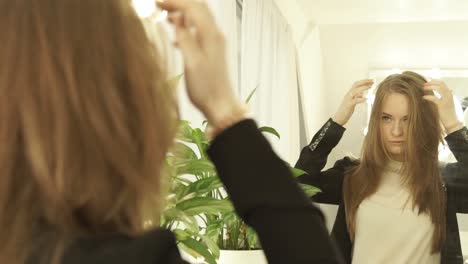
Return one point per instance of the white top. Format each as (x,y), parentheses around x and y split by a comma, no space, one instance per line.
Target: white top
(388,230)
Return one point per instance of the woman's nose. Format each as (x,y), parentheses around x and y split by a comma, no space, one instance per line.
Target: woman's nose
(397,129)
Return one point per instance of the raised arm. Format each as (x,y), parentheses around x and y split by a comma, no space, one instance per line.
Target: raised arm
(314,157)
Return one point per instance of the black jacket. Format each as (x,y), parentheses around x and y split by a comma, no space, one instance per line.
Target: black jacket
(265,195)
(313,159)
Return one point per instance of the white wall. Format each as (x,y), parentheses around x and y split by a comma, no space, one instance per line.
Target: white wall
(313,92)
(350,51)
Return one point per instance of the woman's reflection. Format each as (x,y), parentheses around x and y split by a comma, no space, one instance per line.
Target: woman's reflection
(395,203)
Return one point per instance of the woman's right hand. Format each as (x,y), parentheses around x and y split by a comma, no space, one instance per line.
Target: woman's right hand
(203,48)
(352,98)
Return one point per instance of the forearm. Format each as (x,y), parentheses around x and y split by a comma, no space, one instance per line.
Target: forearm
(268,198)
(458,143)
(313,157)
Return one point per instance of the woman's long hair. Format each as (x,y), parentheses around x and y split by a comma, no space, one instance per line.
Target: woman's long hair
(85,121)
(420,166)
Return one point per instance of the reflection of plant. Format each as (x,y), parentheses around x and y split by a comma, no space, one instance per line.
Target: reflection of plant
(198,209)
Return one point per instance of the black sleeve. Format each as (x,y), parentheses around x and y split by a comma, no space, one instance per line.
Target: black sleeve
(455,175)
(265,194)
(313,159)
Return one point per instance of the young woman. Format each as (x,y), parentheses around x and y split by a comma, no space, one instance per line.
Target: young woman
(85,123)
(397,204)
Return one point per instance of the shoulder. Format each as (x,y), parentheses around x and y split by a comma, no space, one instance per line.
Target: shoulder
(347,163)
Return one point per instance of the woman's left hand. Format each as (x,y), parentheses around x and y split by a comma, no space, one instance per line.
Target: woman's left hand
(445,105)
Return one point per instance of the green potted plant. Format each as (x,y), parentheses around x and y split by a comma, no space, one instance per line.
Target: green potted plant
(198,209)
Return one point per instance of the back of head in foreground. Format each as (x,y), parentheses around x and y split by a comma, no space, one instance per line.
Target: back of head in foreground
(85,122)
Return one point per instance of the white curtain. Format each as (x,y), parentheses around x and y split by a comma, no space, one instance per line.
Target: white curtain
(268,61)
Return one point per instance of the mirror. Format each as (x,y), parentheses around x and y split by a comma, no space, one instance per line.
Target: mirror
(357,39)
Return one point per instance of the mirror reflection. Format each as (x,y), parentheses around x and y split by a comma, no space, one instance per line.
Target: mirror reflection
(303,59)
(370,41)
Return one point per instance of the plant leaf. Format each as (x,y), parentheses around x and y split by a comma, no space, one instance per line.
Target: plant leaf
(251,94)
(270,130)
(185,131)
(182,181)
(181,151)
(211,244)
(229,218)
(184,235)
(232,224)
(199,248)
(176,215)
(309,190)
(252,238)
(174,82)
(199,136)
(297,172)
(181,234)
(196,167)
(205,205)
(204,186)
(236,236)
(213,229)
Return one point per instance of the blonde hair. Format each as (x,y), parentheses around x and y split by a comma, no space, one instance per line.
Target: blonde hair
(421,156)
(85,121)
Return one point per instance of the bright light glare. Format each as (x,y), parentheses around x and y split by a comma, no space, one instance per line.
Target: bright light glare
(144,8)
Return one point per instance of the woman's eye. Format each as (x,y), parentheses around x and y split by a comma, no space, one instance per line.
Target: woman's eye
(386,118)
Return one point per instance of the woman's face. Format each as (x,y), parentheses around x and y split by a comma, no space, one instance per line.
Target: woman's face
(394,124)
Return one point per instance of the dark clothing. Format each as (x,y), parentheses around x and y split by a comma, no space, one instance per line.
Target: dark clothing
(313,159)
(264,194)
